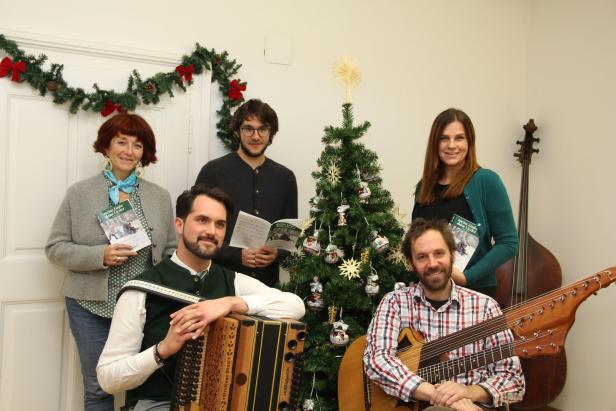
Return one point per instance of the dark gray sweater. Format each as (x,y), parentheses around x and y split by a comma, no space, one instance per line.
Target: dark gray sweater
(269,192)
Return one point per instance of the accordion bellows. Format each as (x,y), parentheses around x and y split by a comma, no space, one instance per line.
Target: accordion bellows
(241,363)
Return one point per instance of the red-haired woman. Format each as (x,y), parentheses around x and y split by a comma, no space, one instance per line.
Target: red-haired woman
(454,183)
(96,270)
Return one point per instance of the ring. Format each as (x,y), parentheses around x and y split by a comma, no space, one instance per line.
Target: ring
(117,258)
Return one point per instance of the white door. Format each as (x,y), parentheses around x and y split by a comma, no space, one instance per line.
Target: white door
(44,149)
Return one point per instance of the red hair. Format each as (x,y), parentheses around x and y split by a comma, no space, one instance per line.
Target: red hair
(130,125)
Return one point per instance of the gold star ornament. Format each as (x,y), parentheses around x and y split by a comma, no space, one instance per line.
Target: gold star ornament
(350,268)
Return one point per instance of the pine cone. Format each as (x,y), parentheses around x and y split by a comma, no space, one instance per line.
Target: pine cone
(150,88)
(52,86)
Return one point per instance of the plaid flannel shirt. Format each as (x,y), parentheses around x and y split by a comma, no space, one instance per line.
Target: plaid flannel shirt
(408,308)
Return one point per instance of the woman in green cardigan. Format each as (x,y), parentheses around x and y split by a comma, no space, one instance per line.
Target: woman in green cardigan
(453,183)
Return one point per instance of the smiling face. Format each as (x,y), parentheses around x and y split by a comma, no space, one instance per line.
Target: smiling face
(203,230)
(453,146)
(124,153)
(433,263)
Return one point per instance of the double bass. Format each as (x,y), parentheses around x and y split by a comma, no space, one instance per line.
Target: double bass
(533,272)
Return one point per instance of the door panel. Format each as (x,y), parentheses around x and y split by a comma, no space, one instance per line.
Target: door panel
(43,150)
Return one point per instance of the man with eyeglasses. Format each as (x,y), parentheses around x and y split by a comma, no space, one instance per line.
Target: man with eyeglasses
(257,185)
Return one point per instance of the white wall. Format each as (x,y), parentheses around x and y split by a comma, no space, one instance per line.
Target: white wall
(572,94)
(501,61)
(417,58)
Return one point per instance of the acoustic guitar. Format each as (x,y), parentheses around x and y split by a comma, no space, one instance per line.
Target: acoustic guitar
(539,325)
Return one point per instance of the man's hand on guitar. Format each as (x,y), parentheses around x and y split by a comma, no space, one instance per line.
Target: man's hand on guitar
(465,405)
(449,393)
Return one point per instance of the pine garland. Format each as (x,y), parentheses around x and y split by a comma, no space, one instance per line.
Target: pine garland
(138,91)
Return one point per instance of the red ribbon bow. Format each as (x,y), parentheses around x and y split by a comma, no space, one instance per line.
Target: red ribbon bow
(235,90)
(7,65)
(110,107)
(185,71)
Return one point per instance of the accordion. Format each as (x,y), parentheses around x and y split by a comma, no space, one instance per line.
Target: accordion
(241,363)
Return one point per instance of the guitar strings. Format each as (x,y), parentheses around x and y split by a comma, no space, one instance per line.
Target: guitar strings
(445,344)
(501,323)
(433,369)
(497,324)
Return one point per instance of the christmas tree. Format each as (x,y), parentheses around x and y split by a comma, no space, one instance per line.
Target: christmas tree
(350,252)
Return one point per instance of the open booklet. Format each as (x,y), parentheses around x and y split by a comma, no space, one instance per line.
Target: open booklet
(466,234)
(254,232)
(121,225)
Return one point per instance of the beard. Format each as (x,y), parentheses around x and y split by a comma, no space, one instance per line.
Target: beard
(436,284)
(246,150)
(200,251)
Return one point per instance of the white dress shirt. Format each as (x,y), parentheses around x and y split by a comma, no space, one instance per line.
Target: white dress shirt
(122,366)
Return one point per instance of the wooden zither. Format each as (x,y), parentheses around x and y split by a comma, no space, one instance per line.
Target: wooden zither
(241,363)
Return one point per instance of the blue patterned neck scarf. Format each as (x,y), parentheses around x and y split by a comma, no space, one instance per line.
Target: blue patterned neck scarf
(127,185)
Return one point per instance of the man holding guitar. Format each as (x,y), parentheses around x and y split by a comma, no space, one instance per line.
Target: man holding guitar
(437,307)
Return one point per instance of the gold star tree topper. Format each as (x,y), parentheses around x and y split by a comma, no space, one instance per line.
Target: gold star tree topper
(347,73)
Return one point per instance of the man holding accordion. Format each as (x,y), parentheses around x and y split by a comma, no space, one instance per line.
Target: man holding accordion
(148,330)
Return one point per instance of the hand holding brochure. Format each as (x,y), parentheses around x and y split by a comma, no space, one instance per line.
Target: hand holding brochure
(254,232)
(121,225)
(466,234)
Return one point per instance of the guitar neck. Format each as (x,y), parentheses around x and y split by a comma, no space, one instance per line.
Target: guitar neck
(541,312)
(448,369)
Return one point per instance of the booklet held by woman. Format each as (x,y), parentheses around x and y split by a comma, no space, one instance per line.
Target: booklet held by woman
(254,232)
(121,225)
(466,235)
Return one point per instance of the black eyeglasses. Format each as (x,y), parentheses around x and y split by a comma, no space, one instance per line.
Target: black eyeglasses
(249,131)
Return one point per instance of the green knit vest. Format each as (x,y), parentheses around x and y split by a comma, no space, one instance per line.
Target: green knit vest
(219,282)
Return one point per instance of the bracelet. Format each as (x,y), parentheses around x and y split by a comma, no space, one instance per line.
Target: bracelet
(157,357)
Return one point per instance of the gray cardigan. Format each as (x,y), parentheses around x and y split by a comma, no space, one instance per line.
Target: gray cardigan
(77,241)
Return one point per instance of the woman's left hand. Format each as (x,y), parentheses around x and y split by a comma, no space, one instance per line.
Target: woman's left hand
(117,254)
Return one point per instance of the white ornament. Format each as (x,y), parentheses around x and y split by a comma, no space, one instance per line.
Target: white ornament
(311,244)
(314,204)
(380,243)
(342,208)
(338,336)
(367,177)
(372,287)
(363,192)
(399,285)
(333,254)
(314,301)
(316,286)
(308,405)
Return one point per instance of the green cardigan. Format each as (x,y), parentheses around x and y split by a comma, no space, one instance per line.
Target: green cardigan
(489,203)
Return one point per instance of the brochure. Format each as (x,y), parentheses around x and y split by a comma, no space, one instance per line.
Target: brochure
(253,232)
(121,225)
(466,234)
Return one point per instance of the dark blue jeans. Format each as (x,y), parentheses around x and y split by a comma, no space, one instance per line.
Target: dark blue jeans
(90,332)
